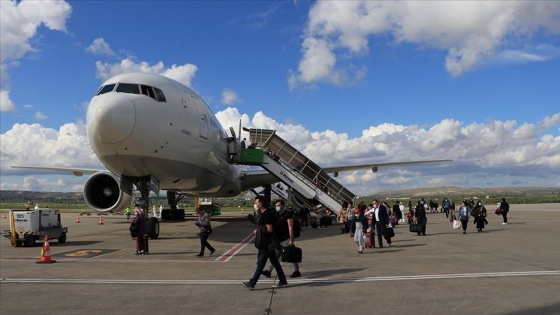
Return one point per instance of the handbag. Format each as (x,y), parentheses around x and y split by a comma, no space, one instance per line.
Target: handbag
(456,224)
(291,254)
(415,227)
(389,232)
(498,211)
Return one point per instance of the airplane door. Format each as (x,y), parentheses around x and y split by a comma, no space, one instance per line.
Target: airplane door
(203,123)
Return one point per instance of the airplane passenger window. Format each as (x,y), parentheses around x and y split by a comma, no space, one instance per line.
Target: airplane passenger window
(128,88)
(159,95)
(106,89)
(147,90)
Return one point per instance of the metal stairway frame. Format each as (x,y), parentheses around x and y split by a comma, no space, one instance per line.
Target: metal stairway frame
(297,171)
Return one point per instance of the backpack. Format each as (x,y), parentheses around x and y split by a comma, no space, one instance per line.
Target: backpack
(134,228)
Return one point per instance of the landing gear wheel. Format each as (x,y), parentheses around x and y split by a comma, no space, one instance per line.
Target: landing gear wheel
(153,228)
(29,241)
(62,238)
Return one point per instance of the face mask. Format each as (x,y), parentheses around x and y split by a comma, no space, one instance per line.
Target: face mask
(356,215)
(256,207)
(278,208)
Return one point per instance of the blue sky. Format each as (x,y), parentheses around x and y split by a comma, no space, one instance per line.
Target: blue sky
(346,82)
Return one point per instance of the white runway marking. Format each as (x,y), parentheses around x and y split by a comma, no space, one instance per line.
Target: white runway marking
(302,281)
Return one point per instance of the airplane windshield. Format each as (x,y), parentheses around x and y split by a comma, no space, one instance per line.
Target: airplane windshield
(150,91)
(128,88)
(105,89)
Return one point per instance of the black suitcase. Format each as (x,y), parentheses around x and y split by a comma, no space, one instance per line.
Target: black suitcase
(291,254)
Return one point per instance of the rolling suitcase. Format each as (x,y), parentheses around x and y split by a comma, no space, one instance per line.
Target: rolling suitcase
(369,240)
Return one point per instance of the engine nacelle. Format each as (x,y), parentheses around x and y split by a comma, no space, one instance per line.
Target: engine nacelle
(102,192)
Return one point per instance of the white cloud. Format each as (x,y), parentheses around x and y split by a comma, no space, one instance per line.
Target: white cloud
(19,22)
(493,153)
(6,105)
(229,97)
(40,116)
(505,155)
(181,73)
(471,32)
(100,47)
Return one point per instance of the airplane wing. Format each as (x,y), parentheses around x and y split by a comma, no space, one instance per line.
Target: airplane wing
(374,167)
(256,178)
(75,171)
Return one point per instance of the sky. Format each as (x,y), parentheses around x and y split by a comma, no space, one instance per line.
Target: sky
(346,83)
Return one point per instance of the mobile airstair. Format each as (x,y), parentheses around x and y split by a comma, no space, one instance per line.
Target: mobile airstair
(294,169)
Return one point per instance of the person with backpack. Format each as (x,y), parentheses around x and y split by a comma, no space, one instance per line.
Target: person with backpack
(291,230)
(266,241)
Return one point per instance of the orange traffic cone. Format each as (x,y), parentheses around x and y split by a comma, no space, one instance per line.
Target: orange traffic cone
(78,219)
(46,253)
(100,220)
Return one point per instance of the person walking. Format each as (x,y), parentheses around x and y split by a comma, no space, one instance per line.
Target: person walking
(128,212)
(381,218)
(359,228)
(504,206)
(479,214)
(420,216)
(287,222)
(205,230)
(342,220)
(464,213)
(266,242)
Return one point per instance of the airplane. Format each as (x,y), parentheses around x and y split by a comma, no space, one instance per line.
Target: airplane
(155,133)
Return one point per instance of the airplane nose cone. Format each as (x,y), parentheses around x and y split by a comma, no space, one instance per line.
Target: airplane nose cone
(110,118)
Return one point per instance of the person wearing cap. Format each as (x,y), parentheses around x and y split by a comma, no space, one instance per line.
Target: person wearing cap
(203,224)
(359,228)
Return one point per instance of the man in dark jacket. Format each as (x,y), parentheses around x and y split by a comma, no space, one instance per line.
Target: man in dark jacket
(420,216)
(266,242)
(381,218)
(504,206)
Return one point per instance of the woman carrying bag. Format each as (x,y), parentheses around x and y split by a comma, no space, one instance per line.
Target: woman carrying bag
(463,215)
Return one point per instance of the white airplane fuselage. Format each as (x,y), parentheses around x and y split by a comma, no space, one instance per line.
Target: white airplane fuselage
(176,139)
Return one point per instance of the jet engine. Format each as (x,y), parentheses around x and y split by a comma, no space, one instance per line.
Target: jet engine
(102,192)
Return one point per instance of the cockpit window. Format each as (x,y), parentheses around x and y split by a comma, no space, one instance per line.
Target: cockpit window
(128,88)
(159,95)
(105,89)
(147,90)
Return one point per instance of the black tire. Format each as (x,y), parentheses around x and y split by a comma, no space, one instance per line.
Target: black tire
(62,238)
(28,241)
(153,228)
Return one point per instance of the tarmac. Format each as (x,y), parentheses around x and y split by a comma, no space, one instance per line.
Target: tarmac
(507,269)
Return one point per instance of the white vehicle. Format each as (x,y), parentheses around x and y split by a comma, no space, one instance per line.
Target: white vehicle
(28,226)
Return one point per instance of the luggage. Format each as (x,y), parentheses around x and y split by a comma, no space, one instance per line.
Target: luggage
(291,254)
(415,227)
(389,232)
(369,240)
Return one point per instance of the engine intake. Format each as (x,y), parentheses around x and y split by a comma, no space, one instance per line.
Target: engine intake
(102,193)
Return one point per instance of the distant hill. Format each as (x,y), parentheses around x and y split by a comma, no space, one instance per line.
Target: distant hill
(515,194)
(469,192)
